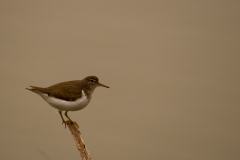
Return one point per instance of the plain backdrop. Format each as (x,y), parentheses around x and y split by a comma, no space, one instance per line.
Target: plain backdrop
(172,67)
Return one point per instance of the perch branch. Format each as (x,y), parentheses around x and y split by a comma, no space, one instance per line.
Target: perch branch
(79,141)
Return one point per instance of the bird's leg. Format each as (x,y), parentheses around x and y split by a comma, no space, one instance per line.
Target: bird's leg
(70,119)
(63,121)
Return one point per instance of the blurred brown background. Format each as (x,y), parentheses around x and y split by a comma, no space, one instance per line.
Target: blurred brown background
(173,68)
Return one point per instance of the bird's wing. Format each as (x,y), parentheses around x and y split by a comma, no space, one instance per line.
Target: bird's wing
(69,91)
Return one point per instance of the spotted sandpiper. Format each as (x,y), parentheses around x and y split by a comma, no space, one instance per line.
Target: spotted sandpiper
(69,96)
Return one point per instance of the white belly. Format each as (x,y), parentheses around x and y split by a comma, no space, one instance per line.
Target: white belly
(63,105)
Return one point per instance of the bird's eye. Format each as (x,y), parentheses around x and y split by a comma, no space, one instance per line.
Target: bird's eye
(92,80)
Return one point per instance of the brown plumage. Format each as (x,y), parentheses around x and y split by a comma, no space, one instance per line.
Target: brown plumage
(69,91)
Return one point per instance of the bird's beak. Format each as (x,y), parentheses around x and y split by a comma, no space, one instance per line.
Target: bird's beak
(103,85)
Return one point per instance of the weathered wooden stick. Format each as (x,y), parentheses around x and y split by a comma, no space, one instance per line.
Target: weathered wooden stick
(79,141)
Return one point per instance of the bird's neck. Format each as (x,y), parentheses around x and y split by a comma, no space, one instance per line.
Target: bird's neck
(89,91)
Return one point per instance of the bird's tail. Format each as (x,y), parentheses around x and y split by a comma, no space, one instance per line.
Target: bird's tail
(34,89)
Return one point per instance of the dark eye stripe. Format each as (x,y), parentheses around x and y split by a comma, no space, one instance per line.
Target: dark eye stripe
(92,80)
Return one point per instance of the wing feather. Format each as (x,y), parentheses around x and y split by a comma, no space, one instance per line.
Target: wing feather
(69,91)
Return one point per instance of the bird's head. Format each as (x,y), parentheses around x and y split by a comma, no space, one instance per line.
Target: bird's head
(93,82)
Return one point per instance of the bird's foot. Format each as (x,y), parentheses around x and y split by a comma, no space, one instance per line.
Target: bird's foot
(69,122)
(73,122)
(65,123)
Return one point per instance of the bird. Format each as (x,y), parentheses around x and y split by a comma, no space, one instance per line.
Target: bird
(69,96)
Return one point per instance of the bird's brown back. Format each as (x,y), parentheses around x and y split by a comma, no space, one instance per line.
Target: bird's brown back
(69,91)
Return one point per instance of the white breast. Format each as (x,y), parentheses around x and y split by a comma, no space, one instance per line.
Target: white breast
(63,105)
